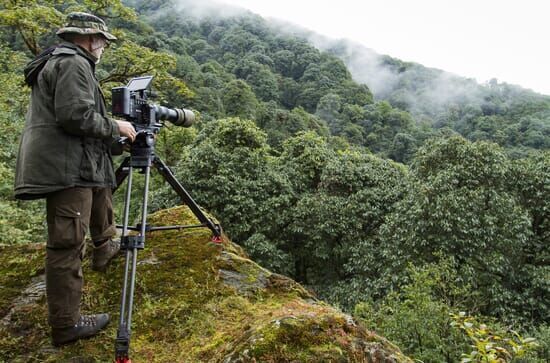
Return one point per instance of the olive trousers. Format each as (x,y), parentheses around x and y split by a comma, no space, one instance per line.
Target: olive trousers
(70,212)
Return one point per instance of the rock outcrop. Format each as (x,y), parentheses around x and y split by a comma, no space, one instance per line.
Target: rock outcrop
(195,301)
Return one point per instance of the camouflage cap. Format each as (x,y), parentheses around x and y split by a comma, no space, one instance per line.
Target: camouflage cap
(85,24)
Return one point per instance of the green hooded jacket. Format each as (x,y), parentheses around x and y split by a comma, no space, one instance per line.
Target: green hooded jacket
(68,135)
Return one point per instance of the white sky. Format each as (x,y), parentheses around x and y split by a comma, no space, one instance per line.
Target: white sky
(483,39)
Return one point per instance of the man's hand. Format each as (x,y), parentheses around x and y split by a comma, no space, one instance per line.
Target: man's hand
(126,129)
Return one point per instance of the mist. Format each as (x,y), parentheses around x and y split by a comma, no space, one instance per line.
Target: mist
(209,9)
(390,78)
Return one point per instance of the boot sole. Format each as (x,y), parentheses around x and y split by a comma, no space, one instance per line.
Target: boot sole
(67,342)
(58,344)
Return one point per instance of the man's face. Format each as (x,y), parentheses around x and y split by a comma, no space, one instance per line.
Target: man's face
(97,46)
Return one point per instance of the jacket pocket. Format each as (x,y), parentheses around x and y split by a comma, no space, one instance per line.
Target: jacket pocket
(67,229)
(92,165)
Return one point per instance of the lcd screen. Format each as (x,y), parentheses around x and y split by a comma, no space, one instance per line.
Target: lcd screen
(140,83)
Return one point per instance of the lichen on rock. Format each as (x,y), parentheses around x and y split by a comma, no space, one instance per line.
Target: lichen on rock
(195,301)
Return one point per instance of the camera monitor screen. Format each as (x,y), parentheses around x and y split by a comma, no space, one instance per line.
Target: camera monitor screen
(139,83)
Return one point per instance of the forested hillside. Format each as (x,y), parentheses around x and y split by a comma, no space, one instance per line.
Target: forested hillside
(513,117)
(509,115)
(427,217)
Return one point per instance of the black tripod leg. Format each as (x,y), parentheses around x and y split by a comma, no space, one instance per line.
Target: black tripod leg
(165,171)
(139,243)
(122,172)
(122,344)
(131,244)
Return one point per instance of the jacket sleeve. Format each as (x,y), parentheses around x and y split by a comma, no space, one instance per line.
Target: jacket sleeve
(75,103)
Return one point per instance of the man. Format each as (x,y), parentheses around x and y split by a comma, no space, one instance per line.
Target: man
(65,157)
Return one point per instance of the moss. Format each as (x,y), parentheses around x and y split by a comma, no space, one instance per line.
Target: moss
(195,301)
(18,265)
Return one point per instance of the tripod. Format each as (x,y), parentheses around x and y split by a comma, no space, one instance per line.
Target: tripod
(142,158)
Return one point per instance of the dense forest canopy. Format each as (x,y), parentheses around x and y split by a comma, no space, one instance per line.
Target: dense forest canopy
(405,202)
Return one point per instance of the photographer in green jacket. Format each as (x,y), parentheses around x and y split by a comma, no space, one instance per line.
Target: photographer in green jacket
(65,157)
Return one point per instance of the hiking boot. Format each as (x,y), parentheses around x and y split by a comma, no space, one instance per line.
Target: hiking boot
(102,255)
(86,326)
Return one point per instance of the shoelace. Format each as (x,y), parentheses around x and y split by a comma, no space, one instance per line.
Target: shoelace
(112,245)
(86,320)
(115,245)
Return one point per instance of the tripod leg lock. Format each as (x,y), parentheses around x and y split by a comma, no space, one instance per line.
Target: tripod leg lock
(217,231)
(132,242)
(122,345)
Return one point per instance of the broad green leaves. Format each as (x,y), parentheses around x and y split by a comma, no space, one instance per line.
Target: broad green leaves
(36,18)
(130,60)
(461,205)
(31,19)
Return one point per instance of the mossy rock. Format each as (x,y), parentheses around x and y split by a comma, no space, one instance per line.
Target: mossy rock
(195,301)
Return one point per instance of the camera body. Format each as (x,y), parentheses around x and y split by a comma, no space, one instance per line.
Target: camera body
(130,103)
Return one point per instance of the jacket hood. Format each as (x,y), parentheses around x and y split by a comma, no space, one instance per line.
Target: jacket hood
(33,68)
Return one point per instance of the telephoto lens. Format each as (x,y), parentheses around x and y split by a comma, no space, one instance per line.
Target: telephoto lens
(177,116)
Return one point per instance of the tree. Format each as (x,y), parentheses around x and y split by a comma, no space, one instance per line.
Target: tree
(402,148)
(264,84)
(417,317)
(36,18)
(289,91)
(302,161)
(529,180)
(239,100)
(339,200)
(341,221)
(238,41)
(283,62)
(201,50)
(31,20)
(460,206)
(382,123)
(259,76)
(329,108)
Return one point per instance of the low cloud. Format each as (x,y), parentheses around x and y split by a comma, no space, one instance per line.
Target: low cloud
(209,9)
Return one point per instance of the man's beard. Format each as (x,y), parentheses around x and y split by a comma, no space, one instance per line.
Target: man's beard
(96,53)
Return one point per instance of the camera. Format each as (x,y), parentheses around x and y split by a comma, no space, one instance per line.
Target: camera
(130,102)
